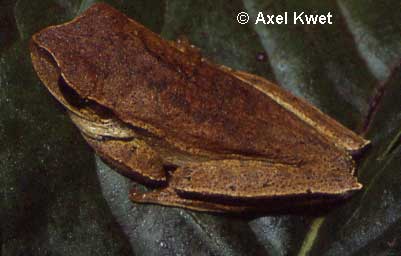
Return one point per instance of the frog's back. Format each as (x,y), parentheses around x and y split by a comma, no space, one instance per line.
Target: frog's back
(144,79)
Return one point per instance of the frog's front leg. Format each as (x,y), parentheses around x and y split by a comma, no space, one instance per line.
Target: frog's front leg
(119,145)
(133,158)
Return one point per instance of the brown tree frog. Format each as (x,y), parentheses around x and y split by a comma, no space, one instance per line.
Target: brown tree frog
(204,136)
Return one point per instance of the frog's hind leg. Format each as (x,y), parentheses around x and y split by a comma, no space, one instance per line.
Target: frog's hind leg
(341,136)
(250,182)
(246,186)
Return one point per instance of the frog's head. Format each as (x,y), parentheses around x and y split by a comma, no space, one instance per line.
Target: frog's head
(91,118)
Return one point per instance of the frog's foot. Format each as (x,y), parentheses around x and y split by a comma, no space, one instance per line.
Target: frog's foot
(132,158)
(251,182)
(169,197)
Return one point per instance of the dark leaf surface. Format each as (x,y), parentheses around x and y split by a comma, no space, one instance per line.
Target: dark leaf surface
(57,198)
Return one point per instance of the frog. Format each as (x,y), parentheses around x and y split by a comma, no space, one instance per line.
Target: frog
(199,135)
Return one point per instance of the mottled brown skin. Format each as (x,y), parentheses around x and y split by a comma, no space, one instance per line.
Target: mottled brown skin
(149,106)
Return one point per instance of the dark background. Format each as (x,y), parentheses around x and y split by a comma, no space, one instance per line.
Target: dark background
(57,198)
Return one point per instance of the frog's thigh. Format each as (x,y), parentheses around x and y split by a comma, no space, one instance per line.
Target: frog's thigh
(169,197)
(245,181)
(132,158)
(326,126)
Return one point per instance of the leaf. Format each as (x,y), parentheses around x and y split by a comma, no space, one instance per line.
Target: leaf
(372,217)
(58,198)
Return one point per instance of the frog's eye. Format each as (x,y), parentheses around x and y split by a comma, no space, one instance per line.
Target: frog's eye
(91,118)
